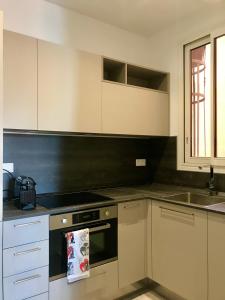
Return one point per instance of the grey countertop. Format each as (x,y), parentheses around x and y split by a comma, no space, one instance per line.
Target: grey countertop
(121,194)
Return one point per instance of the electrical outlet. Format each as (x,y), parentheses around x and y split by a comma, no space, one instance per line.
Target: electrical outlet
(141,162)
(9,167)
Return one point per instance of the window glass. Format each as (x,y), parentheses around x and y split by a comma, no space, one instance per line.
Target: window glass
(220,96)
(200,110)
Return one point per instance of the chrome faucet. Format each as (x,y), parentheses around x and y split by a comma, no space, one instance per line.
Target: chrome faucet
(211,183)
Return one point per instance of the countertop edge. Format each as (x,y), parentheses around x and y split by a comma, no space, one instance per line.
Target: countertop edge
(140,193)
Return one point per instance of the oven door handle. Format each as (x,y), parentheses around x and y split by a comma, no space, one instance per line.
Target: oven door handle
(98,228)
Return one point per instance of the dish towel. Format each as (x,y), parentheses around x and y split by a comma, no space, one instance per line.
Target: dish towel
(77,255)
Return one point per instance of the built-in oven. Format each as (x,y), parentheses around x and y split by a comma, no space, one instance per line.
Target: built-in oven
(102,225)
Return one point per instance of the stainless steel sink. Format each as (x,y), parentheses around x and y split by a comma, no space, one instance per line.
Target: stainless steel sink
(195,198)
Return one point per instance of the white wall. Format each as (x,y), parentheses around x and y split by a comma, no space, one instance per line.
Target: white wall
(166,49)
(50,22)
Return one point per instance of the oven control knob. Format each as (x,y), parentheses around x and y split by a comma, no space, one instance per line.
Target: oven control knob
(107,213)
(64,221)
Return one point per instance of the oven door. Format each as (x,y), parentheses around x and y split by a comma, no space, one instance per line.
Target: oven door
(103,246)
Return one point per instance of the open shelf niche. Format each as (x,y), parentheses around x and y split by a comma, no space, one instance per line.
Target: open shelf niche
(114,70)
(134,75)
(146,78)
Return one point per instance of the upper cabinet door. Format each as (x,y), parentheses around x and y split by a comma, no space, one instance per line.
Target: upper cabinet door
(134,110)
(20,81)
(69,89)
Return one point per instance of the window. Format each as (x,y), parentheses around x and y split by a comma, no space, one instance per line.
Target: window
(204,80)
(200,101)
(220,96)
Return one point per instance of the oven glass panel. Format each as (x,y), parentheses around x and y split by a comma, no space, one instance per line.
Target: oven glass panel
(103,246)
(97,243)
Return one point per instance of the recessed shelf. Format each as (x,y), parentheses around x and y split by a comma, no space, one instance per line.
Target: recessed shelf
(147,78)
(114,70)
(120,72)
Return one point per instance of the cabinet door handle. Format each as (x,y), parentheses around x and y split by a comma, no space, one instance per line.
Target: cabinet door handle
(177,211)
(26,224)
(98,228)
(27,251)
(27,279)
(131,205)
(99,274)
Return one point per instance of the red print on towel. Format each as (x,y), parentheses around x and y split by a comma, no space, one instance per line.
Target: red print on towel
(70,252)
(84,265)
(70,237)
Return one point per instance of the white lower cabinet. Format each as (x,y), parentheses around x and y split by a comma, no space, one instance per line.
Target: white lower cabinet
(24,231)
(216,260)
(26,258)
(176,246)
(131,242)
(27,284)
(179,249)
(39,297)
(102,285)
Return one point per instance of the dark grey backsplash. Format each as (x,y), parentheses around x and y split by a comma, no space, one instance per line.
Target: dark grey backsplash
(164,165)
(65,163)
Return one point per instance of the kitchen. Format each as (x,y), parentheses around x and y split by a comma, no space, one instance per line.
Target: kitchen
(100,148)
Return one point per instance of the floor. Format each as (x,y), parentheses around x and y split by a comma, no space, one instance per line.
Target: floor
(149,296)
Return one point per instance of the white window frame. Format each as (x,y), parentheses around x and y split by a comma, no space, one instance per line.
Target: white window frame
(184,159)
(219,162)
(187,104)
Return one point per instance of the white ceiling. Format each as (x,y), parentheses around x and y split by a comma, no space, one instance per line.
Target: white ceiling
(143,17)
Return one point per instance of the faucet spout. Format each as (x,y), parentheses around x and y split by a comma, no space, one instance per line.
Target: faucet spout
(211,183)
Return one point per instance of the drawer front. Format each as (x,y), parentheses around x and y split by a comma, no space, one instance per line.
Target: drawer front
(39,297)
(25,231)
(26,285)
(102,284)
(24,258)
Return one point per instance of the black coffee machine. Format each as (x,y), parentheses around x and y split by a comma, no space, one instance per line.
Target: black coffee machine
(25,192)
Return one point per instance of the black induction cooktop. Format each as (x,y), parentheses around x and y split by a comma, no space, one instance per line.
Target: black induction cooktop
(61,200)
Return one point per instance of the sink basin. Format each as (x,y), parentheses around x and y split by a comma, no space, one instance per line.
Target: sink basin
(195,198)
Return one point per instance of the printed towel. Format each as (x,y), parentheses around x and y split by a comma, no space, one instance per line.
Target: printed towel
(77,255)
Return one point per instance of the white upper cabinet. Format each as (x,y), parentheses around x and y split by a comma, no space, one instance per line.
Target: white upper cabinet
(135,100)
(69,89)
(134,110)
(54,88)
(20,81)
